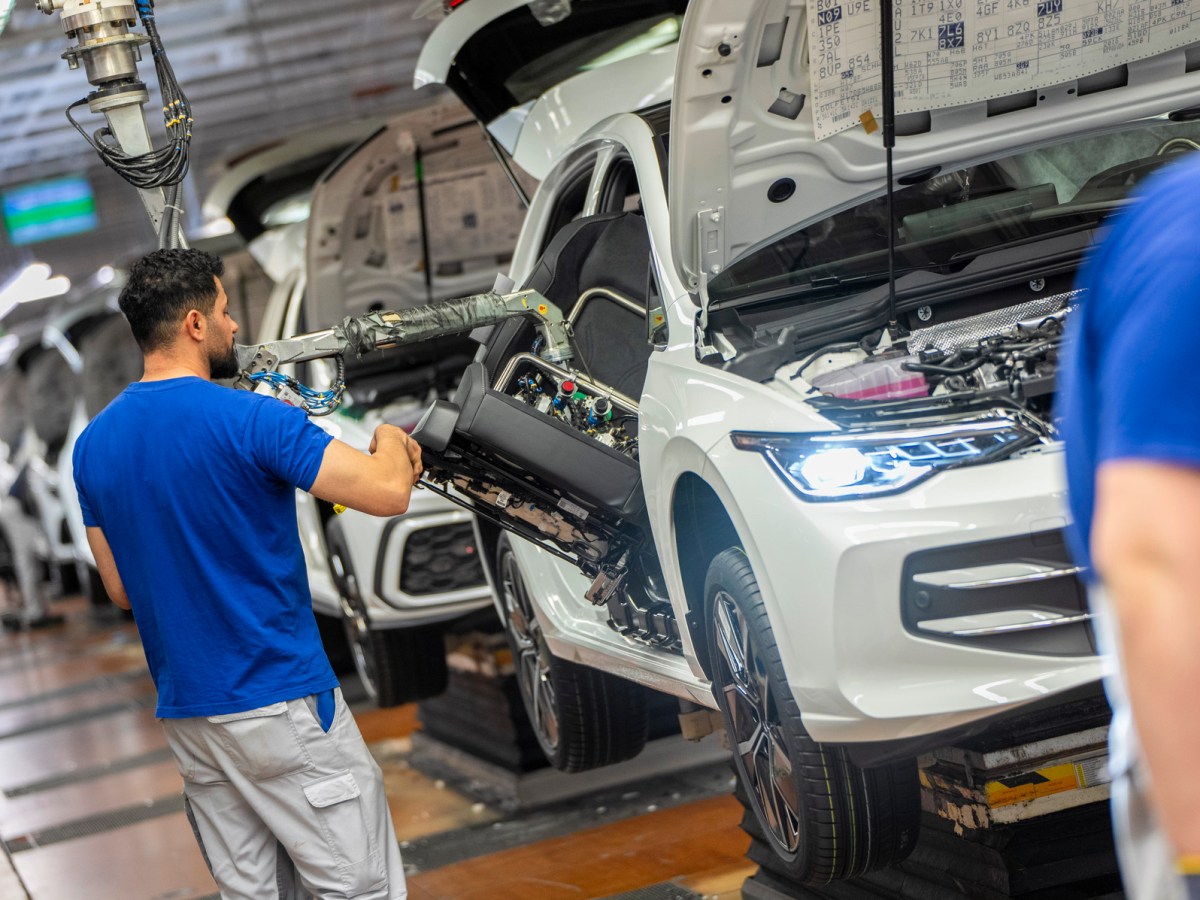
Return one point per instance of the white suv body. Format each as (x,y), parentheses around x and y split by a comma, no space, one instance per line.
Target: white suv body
(863,677)
(852,582)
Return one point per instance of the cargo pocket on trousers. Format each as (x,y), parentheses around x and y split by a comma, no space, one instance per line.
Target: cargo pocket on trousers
(262,743)
(339,807)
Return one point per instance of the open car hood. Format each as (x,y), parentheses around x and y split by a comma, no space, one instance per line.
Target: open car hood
(766,132)
(539,85)
(424,190)
(252,186)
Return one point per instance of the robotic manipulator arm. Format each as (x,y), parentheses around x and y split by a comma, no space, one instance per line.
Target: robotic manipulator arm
(385,330)
(109,53)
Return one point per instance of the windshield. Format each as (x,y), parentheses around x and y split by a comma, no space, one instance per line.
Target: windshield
(516,58)
(950,218)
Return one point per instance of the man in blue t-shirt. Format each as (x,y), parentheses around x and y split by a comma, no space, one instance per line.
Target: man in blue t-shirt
(1130,407)
(188,495)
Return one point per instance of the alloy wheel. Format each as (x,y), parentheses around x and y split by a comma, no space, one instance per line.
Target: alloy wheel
(532,662)
(760,748)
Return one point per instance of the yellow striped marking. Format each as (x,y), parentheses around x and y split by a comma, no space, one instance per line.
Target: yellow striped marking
(1042,783)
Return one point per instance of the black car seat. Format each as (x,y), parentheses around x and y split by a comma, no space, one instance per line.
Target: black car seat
(606,251)
(610,250)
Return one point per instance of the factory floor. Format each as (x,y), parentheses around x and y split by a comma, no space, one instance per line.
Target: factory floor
(90,804)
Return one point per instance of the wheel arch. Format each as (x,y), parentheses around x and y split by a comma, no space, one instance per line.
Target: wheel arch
(702,529)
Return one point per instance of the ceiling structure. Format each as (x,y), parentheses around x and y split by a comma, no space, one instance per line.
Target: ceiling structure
(254,71)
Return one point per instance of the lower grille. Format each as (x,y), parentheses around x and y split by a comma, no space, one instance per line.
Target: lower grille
(440,559)
(1020,594)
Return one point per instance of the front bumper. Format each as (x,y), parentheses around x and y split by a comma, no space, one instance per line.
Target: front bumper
(419,568)
(841,582)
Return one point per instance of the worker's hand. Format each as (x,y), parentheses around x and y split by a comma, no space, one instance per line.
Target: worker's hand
(384,435)
(391,436)
(414,456)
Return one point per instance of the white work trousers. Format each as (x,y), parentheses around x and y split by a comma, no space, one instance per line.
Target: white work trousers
(284,811)
(1147,861)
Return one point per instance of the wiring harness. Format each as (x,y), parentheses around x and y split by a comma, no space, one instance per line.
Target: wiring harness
(312,401)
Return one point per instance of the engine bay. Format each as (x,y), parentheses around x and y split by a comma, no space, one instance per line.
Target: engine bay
(1007,356)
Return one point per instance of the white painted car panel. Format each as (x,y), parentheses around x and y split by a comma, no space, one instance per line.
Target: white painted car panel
(440,48)
(725,155)
(67,494)
(537,133)
(562,115)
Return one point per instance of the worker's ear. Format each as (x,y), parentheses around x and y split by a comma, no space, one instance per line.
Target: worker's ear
(194,324)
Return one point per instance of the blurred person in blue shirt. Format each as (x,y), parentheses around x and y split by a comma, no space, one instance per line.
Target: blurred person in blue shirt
(1130,411)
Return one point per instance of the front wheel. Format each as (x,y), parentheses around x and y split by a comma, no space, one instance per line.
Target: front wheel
(583,718)
(818,816)
(396,665)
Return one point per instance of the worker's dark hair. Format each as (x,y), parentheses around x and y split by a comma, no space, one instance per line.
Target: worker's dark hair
(162,286)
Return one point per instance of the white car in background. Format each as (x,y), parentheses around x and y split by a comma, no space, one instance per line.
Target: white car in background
(73,356)
(423,194)
(46,389)
(26,548)
(98,358)
(77,355)
(741,490)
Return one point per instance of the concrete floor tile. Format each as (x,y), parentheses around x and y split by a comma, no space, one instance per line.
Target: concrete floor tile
(32,757)
(35,812)
(147,861)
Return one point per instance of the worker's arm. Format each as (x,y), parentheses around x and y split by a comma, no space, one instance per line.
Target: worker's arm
(107,566)
(1146,548)
(379,482)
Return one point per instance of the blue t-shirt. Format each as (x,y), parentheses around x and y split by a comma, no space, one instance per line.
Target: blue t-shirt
(193,485)
(1130,383)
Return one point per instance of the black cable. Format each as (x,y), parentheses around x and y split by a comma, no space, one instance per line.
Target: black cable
(159,167)
(828,348)
(947,371)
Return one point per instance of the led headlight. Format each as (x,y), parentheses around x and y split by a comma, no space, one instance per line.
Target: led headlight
(851,464)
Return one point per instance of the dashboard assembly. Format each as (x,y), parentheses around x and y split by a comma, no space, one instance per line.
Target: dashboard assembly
(550,454)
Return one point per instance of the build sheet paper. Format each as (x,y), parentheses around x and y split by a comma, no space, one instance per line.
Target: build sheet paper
(949,52)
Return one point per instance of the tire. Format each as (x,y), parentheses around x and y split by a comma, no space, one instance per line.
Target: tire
(68,579)
(336,642)
(583,718)
(817,817)
(396,665)
(93,586)
(111,360)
